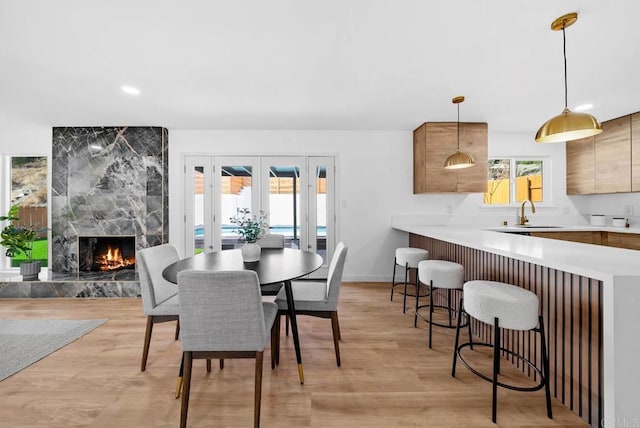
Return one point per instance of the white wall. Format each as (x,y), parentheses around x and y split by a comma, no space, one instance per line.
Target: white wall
(374,184)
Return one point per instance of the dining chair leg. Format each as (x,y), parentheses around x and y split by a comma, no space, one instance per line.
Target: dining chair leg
(221,363)
(208,365)
(180,378)
(187,360)
(276,326)
(147,342)
(177,330)
(258,389)
(336,335)
(338,325)
(273,345)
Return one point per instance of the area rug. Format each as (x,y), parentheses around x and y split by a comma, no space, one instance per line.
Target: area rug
(23,342)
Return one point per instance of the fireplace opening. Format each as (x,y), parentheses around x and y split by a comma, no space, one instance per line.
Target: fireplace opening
(106,253)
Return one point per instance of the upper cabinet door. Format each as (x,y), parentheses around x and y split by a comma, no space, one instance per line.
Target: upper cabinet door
(440,142)
(613,157)
(473,140)
(580,166)
(635,152)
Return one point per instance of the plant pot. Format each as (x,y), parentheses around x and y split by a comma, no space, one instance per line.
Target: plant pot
(30,270)
(250,252)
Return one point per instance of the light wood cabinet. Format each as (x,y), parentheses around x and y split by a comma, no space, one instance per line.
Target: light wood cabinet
(630,241)
(433,142)
(635,152)
(580,166)
(613,156)
(585,237)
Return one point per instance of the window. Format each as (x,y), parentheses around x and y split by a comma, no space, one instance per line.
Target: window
(29,191)
(514,180)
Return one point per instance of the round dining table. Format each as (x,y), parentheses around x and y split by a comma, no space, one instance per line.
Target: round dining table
(276,265)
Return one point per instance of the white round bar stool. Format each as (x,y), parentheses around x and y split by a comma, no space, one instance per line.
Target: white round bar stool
(438,274)
(409,258)
(503,306)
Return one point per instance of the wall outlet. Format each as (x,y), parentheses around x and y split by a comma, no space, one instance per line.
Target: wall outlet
(628,210)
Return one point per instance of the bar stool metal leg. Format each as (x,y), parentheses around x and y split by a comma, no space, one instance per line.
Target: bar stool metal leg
(545,367)
(455,345)
(393,278)
(496,368)
(404,300)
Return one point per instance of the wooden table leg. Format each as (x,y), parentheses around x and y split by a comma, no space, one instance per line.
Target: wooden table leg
(294,328)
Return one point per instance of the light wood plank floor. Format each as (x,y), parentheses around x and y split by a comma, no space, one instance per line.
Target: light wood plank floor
(389,378)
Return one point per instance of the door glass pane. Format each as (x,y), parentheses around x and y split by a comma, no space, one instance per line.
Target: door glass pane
(321,212)
(529,180)
(236,183)
(29,191)
(284,203)
(198,209)
(498,185)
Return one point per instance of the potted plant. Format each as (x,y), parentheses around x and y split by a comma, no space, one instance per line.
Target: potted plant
(19,239)
(250,228)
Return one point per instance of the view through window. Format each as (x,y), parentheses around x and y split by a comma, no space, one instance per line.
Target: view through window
(514,180)
(29,192)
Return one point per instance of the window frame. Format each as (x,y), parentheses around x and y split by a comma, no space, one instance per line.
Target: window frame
(546,181)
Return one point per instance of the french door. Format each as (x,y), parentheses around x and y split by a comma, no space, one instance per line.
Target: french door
(296,193)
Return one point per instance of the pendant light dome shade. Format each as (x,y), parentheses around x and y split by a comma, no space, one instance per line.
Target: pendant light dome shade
(459,159)
(568,125)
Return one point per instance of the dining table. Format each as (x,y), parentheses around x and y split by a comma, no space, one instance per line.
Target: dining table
(275,266)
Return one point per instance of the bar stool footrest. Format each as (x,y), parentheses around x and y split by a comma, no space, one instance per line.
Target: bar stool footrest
(419,315)
(502,384)
(426,294)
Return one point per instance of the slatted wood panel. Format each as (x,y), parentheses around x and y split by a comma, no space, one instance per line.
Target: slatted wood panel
(571,307)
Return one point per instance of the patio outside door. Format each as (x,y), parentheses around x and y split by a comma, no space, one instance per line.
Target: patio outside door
(296,193)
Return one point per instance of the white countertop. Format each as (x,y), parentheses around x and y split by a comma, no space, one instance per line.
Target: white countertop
(594,261)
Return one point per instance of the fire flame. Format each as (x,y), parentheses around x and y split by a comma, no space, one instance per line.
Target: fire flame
(113,260)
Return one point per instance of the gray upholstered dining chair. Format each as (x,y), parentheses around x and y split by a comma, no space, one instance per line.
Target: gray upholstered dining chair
(272,240)
(316,299)
(223,316)
(159,296)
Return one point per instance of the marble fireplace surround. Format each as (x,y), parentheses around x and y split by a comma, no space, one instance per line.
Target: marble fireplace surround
(106,181)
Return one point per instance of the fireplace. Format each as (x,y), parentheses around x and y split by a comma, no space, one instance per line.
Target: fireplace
(106,253)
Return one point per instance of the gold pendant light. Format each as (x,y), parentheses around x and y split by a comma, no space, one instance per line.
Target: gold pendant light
(459,159)
(567,125)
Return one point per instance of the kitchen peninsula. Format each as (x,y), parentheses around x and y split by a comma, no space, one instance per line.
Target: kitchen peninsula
(590,300)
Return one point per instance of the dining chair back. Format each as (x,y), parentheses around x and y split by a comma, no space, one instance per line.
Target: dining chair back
(223,316)
(159,296)
(272,240)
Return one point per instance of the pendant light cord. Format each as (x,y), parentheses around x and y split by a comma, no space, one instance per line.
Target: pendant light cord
(458,126)
(564,52)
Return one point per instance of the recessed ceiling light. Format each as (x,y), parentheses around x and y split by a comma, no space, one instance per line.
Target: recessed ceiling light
(584,107)
(130,90)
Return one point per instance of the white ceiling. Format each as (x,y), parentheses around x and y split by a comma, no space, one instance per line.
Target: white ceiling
(307,64)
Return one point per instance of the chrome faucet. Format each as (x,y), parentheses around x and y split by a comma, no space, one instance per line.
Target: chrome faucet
(523,219)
